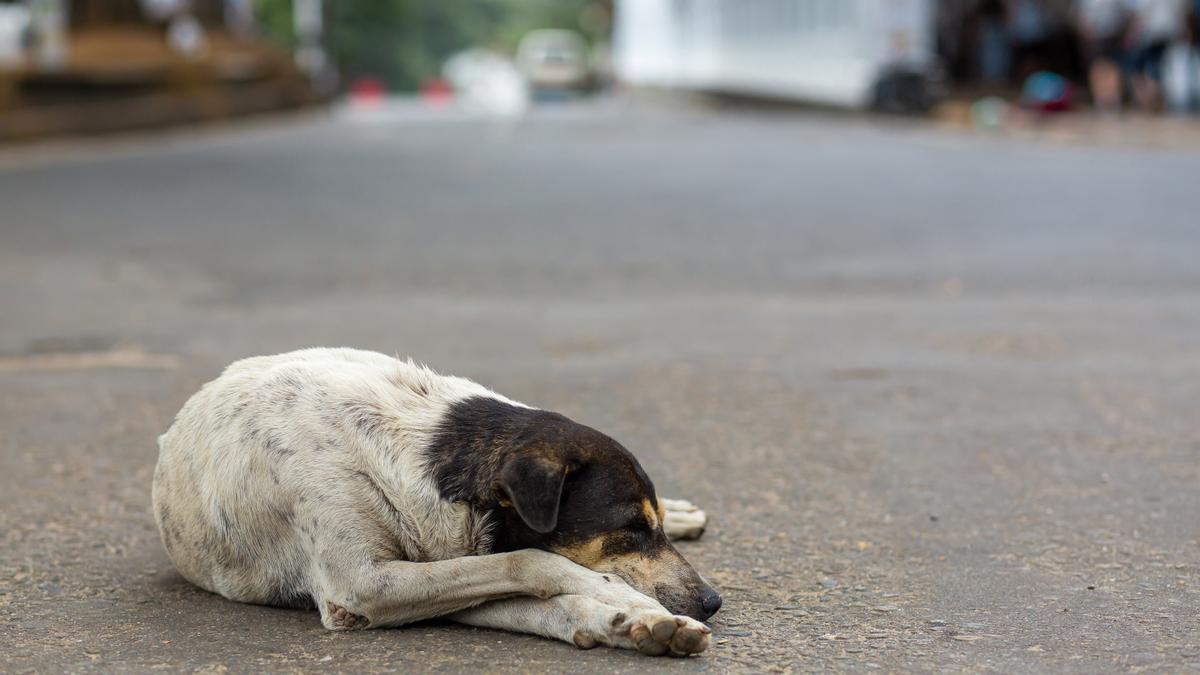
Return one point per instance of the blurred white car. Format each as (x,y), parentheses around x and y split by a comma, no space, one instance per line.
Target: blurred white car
(554,59)
(486,82)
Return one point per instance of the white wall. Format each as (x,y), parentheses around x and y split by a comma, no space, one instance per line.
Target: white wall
(831,51)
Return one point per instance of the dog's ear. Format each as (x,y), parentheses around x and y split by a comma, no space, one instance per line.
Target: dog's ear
(533,485)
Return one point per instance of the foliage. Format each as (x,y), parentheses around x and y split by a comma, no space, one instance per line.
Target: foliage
(404,42)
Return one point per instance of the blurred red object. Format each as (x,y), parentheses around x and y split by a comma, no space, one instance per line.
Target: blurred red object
(437,92)
(368,90)
(1047,92)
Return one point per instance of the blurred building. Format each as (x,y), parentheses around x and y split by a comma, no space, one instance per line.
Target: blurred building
(70,66)
(853,53)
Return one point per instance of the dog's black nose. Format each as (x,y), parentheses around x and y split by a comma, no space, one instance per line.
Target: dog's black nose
(710,602)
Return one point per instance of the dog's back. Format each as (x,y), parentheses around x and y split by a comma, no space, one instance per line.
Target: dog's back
(260,455)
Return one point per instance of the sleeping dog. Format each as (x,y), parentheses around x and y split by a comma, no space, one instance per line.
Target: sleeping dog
(383,493)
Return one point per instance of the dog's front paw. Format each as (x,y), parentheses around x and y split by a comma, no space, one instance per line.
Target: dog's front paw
(683,519)
(658,634)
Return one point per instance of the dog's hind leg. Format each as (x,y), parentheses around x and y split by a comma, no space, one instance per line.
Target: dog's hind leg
(587,622)
(682,519)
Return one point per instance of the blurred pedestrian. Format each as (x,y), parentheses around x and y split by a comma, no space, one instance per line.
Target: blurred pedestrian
(1154,25)
(994,54)
(1194,62)
(1029,33)
(1194,26)
(1101,25)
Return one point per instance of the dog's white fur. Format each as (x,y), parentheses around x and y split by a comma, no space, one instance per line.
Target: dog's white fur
(303,475)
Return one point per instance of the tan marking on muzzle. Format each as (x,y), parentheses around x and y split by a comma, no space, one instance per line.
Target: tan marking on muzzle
(588,553)
(643,570)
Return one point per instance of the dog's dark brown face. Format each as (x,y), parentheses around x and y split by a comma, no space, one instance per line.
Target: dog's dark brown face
(559,486)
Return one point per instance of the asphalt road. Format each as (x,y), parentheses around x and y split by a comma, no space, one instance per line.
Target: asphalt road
(938,392)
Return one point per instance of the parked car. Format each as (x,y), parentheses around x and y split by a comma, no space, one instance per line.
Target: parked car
(554,59)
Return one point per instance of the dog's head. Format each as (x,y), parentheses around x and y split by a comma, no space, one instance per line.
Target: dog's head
(560,486)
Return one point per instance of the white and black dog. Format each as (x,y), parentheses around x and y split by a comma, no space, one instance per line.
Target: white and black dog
(383,493)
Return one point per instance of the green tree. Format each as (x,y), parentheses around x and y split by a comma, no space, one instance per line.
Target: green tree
(404,42)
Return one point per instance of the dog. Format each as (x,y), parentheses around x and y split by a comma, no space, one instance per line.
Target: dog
(382,493)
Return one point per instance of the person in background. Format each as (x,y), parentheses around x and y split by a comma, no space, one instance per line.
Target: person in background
(1101,25)
(1154,25)
(1194,65)
(1194,26)
(1029,32)
(994,52)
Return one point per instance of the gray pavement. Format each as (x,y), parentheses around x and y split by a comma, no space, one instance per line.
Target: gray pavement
(938,392)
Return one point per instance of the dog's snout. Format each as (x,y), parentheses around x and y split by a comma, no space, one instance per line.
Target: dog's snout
(710,602)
